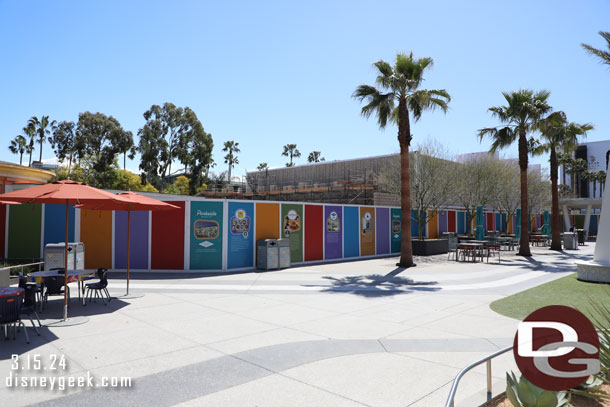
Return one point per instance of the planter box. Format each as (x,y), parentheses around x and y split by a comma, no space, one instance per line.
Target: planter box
(429,247)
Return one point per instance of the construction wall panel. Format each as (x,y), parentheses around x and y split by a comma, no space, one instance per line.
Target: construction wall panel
(55,223)
(333,232)
(167,240)
(138,240)
(292,228)
(367,231)
(382,217)
(351,232)
(314,232)
(24,231)
(96,234)
(451,221)
(241,239)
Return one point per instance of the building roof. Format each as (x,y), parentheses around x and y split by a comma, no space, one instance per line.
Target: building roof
(20,174)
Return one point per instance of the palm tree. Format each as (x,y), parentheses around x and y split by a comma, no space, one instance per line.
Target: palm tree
(558,134)
(262,167)
(604,56)
(315,157)
(231,158)
(290,150)
(43,127)
(522,114)
(397,99)
(18,146)
(601,178)
(30,131)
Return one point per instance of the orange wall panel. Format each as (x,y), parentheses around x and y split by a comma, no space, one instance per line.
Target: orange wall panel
(433,225)
(96,234)
(267,221)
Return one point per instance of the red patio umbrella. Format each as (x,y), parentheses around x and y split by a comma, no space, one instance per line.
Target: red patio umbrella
(135,202)
(66,192)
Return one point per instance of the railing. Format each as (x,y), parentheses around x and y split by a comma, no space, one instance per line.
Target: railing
(456,381)
(21,266)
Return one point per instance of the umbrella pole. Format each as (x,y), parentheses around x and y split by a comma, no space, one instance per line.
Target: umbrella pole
(66,263)
(128,244)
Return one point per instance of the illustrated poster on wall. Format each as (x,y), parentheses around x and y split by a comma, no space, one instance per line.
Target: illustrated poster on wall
(396,229)
(241,235)
(333,235)
(367,231)
(206,236)
(292,228)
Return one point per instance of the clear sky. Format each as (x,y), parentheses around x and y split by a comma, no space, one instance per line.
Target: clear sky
(269,73)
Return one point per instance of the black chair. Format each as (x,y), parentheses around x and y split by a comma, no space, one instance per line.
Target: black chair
(39,288)
(9,316)
(29,305)
(54,285)
(99,288)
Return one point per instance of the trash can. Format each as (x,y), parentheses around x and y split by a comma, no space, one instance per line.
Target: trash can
(284,245)
(5,277)
(267,254)
(570,241)
(581,236)
(54,256)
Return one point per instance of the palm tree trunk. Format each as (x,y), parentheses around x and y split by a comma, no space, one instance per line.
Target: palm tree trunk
(555,219)
(31,150)
(404,139)
(40,158)
(524,244)
(20,157)
(229,175)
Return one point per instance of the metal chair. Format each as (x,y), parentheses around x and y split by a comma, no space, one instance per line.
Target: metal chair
(9,316)
(99,288)
(452,244)
(54,285)
(29,305)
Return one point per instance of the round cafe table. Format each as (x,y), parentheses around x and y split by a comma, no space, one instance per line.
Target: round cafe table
(11,292)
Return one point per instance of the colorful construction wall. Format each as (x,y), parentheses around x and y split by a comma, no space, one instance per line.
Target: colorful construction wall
(215,235)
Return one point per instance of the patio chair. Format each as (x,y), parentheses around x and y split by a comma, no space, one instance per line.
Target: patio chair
(39,287)
(54,285)
(99,288)
(453,247)
(9,316)
(29,305)
(493,249)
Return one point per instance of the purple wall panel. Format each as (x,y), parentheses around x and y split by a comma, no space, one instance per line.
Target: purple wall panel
(383,230)
(442,222)
(138,240)
(333,232)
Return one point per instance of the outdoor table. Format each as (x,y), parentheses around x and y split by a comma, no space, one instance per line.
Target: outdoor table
(472,247)
(79,274)
(506,241)
(11,292)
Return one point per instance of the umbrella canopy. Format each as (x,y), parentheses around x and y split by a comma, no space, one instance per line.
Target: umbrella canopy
(134,202)
(546,227)
(66,192)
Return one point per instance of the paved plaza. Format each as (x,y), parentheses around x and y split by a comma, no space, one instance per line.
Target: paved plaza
(361,333)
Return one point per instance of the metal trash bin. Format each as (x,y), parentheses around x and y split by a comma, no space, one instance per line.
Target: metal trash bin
(570,241)
(284,246)
(54,256)
(267,254)
(581,236)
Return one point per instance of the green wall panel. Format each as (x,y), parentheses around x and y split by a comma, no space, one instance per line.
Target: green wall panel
(24,231)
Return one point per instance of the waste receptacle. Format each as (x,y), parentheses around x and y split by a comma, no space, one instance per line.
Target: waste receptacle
(267,254)
(581,236)
(54,256)
(570,241)
(5,277)
(284,245)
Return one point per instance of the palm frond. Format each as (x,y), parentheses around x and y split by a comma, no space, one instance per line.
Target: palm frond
(604,56)
(422,100)
(385,73)
(382,104)
(364,91)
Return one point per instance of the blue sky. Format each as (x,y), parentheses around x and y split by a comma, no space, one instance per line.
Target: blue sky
(269,73)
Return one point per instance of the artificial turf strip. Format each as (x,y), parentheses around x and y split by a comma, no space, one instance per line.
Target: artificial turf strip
(564,291)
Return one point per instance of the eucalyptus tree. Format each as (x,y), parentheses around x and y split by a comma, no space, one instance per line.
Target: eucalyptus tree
(396,100)
(602,55)
(290,150)
(520,116)
(18,146)
(558,134)
(199,157)
(63,142)
(231,148)
(42,127)
(315,157)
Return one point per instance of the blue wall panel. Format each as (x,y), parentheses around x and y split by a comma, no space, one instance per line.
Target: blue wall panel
(351,232)
(461,221)
(55,223)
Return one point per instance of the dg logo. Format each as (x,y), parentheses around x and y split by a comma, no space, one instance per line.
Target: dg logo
(557,348)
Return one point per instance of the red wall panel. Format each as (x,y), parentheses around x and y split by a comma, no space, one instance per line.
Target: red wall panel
(314,221)
(167,240)
(2,229)
(451,221)
(490,221)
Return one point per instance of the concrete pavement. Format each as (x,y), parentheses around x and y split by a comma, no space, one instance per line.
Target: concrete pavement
(360,333)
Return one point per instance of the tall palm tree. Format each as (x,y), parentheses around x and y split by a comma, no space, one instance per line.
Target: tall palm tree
(18,146)
(43,128)
(398,98)
(521,115)
(231,147)
(558,134)
(30,132)
(315,157)
(601,178)
(604,56)
(290,150)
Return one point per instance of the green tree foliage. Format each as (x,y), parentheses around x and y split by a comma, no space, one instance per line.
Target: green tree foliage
(602,55)
(262,167)
(519,117)
(101,137)
(171,133)
(179,187)
(63,142)
(18,146)
(315,157)
(232,148)
(290,150)
(397,98)
(42,127)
